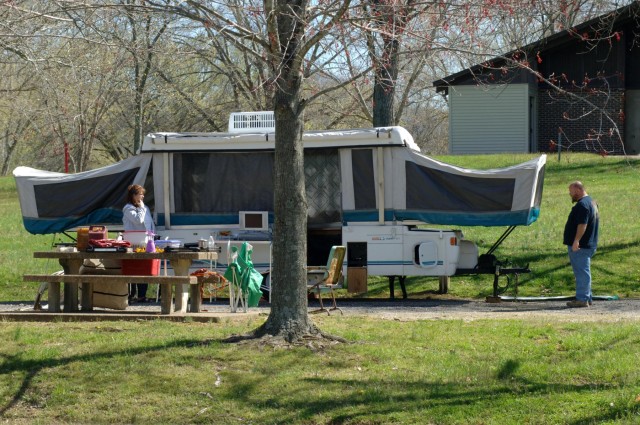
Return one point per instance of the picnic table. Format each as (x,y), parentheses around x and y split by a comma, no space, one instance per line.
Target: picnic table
(71,261)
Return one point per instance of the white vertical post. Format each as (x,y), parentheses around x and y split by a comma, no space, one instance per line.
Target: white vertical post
(166,190)
(380,154)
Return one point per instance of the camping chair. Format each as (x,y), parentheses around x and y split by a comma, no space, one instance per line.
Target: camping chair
(330,279)
(233,275)
(244,279)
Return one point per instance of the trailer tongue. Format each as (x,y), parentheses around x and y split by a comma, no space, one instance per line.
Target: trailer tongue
(489,264)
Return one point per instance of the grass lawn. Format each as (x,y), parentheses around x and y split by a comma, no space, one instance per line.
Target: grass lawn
(440,372)
(427,371)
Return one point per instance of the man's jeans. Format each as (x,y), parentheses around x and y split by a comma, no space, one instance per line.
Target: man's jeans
(581,264)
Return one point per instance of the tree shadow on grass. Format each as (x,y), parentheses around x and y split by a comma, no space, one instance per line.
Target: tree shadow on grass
(600,260)
(32,367)
(508,372)
(544,258)
(366,398)
(376,400)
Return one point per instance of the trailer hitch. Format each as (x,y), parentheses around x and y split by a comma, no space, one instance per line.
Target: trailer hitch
(511,275)
(487,264)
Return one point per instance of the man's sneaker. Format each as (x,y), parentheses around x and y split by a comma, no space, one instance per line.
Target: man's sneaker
(590,303)
(577,303)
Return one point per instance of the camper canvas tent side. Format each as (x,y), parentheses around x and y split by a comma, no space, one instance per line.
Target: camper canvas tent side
(369,187)
(420,190)
(54,202)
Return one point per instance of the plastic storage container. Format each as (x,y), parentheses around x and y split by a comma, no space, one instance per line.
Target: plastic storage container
(168,243)
(138,238)
(141,267)
(98,232)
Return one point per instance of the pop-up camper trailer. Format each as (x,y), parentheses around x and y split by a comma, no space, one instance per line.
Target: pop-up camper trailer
(367,189)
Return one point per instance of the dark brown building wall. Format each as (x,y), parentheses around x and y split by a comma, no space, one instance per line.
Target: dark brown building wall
(583,128)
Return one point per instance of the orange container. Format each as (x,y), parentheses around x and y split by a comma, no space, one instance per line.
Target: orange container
(82,239)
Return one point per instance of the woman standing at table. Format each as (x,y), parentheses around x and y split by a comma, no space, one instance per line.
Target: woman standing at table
(137,216)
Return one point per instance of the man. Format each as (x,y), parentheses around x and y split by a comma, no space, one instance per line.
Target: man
(581,238)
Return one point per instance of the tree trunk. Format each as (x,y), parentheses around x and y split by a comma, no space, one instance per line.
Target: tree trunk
(137,119)
(289,317)
(385,84)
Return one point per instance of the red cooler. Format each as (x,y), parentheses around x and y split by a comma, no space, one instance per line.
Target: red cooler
(141,267)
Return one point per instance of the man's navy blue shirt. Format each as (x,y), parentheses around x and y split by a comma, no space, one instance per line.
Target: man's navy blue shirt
(585,211)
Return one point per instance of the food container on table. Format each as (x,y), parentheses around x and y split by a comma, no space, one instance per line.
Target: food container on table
(98,232)
(137,238)
(168,243)
(82,239)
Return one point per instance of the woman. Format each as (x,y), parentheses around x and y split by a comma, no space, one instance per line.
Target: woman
(137,216)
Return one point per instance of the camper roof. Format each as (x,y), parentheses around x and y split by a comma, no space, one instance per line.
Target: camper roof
(383,136)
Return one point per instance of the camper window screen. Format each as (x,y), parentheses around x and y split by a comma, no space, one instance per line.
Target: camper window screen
(364,188)
(322,184)
(429,189)
(223,182)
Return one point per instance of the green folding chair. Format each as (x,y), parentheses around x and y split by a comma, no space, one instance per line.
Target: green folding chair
(244,279)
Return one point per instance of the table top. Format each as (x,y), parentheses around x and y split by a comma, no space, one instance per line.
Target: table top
(171,255)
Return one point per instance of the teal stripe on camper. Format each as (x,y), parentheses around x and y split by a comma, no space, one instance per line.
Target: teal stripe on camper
(203,219)
(43,226)
(432,263)
(365,215)
(389,263)
(199,219)
(511,218)
(508,218)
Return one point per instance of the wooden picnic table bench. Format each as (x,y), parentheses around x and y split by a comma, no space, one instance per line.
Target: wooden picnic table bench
(88,280)
(71,261)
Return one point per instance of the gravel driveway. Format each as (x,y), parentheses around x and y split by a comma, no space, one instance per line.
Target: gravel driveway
(432,309)
(556,309)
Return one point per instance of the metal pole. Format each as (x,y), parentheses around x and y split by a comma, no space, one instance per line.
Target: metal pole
(559,145)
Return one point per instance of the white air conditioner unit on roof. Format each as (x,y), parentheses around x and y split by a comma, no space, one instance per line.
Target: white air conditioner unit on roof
(252,122)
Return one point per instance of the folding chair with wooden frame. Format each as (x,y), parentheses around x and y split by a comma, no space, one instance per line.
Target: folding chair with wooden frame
(331,279)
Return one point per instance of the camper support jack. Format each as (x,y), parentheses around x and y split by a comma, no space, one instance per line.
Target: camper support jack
(392,289)
(443,286)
